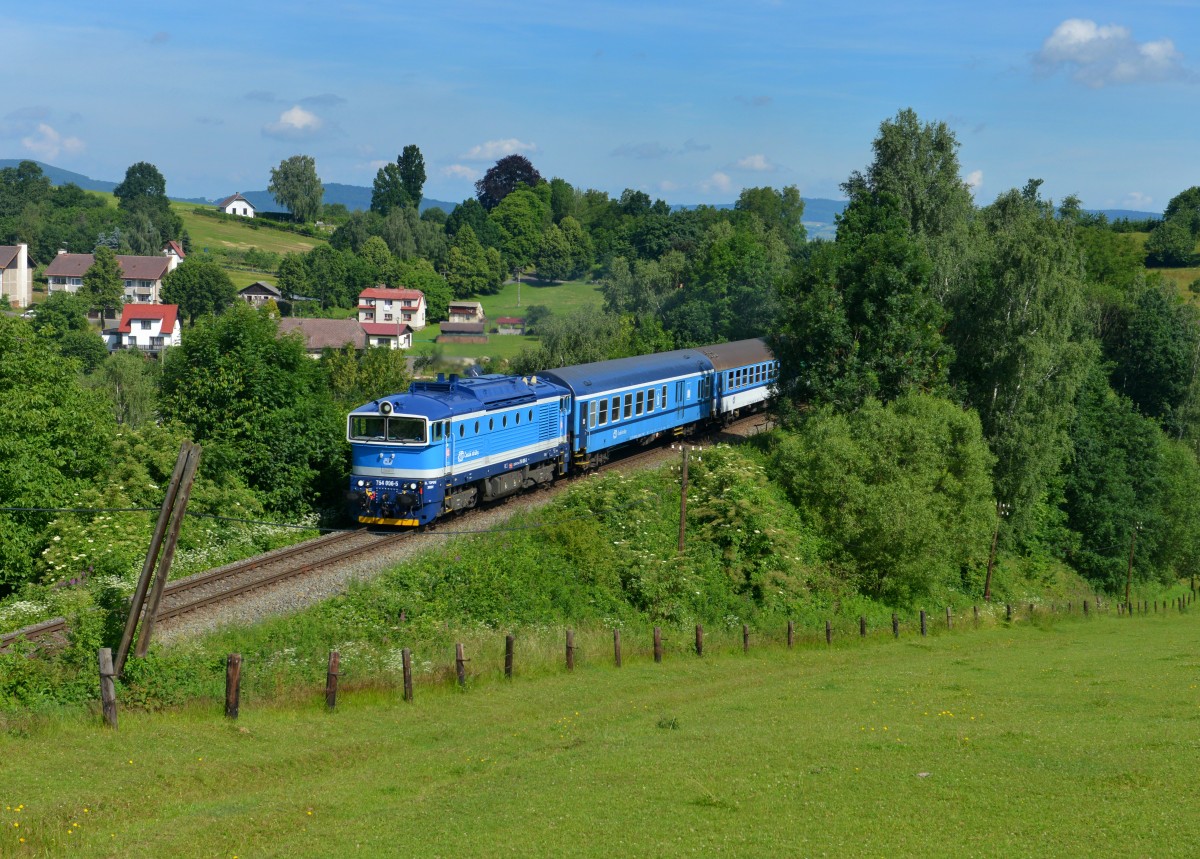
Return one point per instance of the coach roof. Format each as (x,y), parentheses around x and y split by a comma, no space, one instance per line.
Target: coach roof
(740,353)
(601,376)
(456,396)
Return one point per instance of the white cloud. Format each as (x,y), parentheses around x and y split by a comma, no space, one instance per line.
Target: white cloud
(460,171)
(666,186)
(1101,55)
(494,149)
(1138,200)
(717,182)
(757,163)
(294,123)
(974,180)
(46,143)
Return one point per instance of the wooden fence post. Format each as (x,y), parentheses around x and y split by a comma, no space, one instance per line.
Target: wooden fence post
(108,690)
(745,638)
(976,610)
(331,680)
(617,647)
(570,650)
(791,633)
(406,661)
(895,626)
(828,633)
(233,685)
(658,644)
(923,628)
(1008,611)
(699,640)
(460,665)
(509,644)
(948,616)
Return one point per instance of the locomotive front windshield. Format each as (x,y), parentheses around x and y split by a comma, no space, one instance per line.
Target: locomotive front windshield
(404,430)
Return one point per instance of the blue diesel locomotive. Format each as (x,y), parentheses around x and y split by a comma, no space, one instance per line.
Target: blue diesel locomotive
(449,444)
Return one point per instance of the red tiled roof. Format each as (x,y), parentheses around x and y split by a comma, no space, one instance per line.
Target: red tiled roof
(385,329)
(133,267)
(389,293)
(325,333)
(167,313)
(177,247)
(510,320)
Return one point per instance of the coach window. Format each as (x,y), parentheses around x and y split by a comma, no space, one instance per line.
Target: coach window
(628,406)
(616,409)
(603,412)
(649,401)
(664,396)
(641,402)
(592,414)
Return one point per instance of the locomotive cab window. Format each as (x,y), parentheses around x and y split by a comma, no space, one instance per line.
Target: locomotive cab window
(406,430)
(437,432)
(367,428)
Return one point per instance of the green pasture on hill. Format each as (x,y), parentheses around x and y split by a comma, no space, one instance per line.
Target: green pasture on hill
(1059,738)
(562,298)
(220,234)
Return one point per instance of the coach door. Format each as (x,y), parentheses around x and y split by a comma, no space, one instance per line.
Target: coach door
(680,391)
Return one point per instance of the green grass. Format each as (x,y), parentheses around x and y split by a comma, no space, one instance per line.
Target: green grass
(1068,738)
(561,298)
(219,234)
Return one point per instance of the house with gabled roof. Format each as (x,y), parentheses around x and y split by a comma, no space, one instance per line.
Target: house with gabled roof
(236,205)
(381,304)
(322,334)
(259,293)
(16,277)
(466,311)
(143,275)
(393,335)
(146,327)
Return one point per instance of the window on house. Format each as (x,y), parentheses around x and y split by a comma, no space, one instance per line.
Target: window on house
(387,317)
(144,324)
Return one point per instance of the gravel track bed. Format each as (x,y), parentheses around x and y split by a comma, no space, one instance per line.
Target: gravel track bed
(302,591)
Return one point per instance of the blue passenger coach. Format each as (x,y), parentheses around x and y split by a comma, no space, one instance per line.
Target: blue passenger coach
(745,372)
(634,399)
(447,445)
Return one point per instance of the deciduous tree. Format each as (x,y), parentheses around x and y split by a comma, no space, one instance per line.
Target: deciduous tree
(503,177)
(296,186)
(103,284)
(198,286)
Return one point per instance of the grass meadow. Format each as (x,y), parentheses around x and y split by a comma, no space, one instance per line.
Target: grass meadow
(1056,737)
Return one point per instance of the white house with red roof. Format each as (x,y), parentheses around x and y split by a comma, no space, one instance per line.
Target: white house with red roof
(143,275)
(146,327)
(393,335)
(237,205)
(381,305)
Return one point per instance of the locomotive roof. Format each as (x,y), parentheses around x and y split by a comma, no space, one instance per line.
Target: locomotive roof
(740,353)
(457,396)
(585,379)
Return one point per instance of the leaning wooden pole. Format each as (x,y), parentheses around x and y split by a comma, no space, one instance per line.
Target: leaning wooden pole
(168,553)
(143,585)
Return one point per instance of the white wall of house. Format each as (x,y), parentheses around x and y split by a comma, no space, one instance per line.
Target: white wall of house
(16,281)
(147,334)
(239,207)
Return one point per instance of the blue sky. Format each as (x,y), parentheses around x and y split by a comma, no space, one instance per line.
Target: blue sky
(689,101)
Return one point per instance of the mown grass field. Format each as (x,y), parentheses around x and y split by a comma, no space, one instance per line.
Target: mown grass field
(561,298)
(1076,737)
(217,234)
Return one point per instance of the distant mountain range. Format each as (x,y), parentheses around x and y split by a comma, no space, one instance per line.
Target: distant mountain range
(820,214)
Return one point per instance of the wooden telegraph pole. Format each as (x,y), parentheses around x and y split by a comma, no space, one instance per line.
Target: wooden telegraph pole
(166,535)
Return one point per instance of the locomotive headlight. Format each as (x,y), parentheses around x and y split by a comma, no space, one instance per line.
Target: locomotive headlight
(385,407)
(361,484)
(412,486)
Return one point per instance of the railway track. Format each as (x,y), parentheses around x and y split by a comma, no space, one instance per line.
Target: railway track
(237,579)
(261,572)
